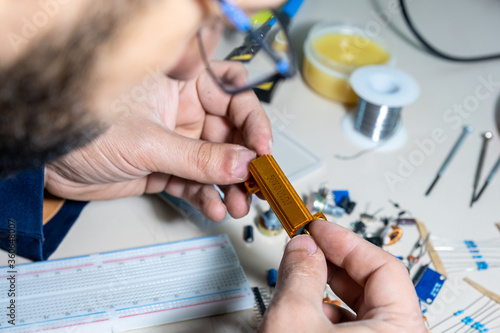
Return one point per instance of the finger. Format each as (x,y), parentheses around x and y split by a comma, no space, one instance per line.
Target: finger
(302,274)
(231,73)
(250,118)
(243,109)
(299,289)
(369,266)
(237,200)
(344,286)
(218,129)
(204,162)
(203,197)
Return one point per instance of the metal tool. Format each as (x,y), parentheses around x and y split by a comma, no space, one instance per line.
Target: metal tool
(453,152)
(486,138)
(488,180)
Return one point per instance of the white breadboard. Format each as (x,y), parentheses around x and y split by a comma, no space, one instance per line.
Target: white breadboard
(123,290)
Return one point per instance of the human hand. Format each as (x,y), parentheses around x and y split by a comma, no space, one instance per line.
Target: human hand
(369,280)
(182,138)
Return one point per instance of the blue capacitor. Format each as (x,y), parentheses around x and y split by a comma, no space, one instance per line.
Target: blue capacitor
(272,276)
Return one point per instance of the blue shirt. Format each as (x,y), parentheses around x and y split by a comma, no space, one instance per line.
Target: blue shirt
(21,211)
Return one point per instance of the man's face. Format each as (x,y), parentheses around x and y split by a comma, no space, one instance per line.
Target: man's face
(63,63)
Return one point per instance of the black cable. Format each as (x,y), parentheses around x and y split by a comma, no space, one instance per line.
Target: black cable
(432,49)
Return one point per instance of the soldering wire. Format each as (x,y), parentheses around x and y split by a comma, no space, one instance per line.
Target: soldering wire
(367,150)
(453,315)
(473,314)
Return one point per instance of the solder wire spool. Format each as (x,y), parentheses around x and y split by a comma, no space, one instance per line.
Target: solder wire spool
(383,92)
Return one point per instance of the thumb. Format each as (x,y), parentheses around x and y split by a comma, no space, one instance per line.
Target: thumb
(199,160)
(302,274)
(299,289)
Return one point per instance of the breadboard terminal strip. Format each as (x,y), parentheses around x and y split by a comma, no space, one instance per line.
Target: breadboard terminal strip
(128,289)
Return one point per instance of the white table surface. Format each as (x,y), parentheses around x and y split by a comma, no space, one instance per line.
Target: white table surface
(460,27)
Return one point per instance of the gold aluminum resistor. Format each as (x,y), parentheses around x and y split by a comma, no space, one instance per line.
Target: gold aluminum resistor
(269,179)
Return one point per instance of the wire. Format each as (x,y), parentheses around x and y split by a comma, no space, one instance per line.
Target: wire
(370,149)
(435,51)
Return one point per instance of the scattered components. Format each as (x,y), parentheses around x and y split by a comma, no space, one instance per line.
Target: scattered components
(339,195)
(467,255)
(248,233)
(374,239)
(269,224)
(369,217)
(467,130)
(391,234)
(418,250)
(387,230)
(406,221)
(359,227)
(262,301)
(347,204)
(272,277)
(480,315)
(320,204)
(269,179)
(335,203)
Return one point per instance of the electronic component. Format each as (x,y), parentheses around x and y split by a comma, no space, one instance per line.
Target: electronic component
(428,283)
(359,227)
(417,251)
(406,221)
(317,202)
(272,277)
(269,179)
(391,234)
(347,204)
(375,240)
(248,233)
(338,196)
(269,224)
(262,301)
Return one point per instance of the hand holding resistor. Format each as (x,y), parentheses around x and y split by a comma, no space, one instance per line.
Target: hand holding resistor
(369,280)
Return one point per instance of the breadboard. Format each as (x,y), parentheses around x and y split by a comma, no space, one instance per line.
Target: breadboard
(128,289)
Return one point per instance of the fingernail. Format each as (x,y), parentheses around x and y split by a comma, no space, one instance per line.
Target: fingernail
(270,146)
(242,162)
(302,242)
